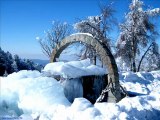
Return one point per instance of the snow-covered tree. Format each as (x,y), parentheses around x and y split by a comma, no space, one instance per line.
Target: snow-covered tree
(14,66)
(5,74)
(17,60)
(31,65)
(9,64)
(90,25)
(137,32)
(24,64)
(9,61)
(53,36)
(5,62)
(98,26)
(151,61)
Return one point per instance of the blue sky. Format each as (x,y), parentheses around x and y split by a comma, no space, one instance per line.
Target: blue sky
(21,21)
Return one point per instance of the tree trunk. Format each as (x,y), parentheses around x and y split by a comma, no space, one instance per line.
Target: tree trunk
(134,65)
(84,55)
(133,61)
(94,60)
(134,47)
(131,65)
(143,56)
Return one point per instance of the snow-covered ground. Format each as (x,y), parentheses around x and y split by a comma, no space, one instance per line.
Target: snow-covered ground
(27,95)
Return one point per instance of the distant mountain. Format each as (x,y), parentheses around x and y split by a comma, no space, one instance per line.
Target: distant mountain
(63,57)
(41,62)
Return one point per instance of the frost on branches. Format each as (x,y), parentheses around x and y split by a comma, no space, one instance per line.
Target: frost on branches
(137,33)
(90,25)
(99,27)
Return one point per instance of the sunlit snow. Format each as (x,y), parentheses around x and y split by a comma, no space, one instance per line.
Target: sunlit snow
(73,69)
(30,94)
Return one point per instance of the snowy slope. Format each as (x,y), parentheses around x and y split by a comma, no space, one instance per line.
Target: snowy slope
(29,94)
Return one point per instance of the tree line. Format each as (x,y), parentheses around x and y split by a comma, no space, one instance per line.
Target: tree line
(10,64)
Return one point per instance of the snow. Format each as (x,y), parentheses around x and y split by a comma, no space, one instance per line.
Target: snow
(53,68)
(73,69)
(145,107)
(82,34)
(70,86)
(28,95)
(141,83)
(140,107)
(153,12)
(37,38)
(26,89)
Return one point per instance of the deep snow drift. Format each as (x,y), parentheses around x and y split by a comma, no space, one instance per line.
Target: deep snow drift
(30,94)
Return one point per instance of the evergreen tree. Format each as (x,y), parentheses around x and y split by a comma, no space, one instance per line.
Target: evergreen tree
(8,62)
(14,66)
(21,65)
(17,62)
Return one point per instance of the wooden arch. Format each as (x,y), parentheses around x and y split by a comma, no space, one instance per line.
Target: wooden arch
(106,57)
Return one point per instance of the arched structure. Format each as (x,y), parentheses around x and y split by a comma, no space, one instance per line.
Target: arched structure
(106,57)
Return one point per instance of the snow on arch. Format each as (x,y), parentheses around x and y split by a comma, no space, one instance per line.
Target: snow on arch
(104,53)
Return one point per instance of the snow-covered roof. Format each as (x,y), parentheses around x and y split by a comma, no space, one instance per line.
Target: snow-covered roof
(82,34)
(74,69)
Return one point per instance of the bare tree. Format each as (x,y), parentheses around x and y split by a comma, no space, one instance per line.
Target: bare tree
(53,37)
(98,26)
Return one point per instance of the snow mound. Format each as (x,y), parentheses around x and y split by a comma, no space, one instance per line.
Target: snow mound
(28,95)
(73,69)
(140,83)
(82,34)
(53,68)
(29,91)
(72,88)
(140,107)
